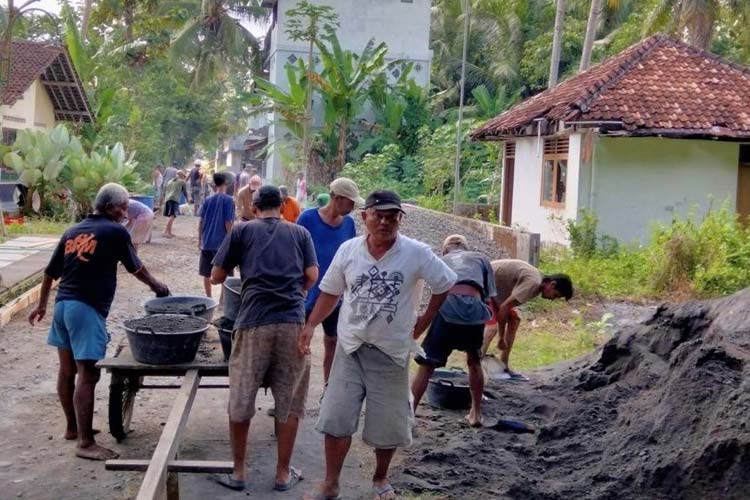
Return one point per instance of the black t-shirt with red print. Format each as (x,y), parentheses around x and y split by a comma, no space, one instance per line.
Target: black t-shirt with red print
(86,261)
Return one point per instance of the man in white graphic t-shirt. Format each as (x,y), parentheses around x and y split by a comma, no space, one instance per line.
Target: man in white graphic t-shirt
(379,276)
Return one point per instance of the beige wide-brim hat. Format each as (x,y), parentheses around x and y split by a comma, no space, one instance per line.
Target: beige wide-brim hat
(348,189)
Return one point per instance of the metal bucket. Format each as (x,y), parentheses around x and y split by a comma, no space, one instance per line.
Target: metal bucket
(232,297)
(449,389)
(187,305)
(153,346)
(225,326)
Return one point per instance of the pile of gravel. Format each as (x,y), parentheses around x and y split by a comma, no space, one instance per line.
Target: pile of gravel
(432,228)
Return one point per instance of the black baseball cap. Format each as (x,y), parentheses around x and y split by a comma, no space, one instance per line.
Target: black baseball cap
(267,197)
(384,200)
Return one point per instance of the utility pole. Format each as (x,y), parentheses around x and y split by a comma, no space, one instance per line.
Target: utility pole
(459,135)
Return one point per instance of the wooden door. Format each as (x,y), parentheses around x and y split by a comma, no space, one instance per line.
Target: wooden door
(743,192)
(507,212)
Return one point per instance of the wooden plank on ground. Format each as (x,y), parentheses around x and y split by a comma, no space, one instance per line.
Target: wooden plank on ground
(154,486)
(20,303)
(193,466)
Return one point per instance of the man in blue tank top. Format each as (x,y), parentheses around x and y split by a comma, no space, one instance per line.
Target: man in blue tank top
(330,226)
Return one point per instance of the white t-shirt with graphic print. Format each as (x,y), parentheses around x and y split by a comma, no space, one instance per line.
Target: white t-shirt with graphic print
(380,297)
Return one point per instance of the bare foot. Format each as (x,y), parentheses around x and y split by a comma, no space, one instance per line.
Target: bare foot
(72,435)
(474,420)
(321,492)
(96,452)
(168,235)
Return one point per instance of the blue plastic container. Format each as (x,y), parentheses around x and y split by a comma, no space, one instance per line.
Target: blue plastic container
(146,200)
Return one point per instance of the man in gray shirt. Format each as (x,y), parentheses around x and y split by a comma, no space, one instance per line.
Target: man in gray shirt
(459,325)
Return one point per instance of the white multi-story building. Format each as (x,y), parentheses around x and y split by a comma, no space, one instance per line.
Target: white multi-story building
(404,25)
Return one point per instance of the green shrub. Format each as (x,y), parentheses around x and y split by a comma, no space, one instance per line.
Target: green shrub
(434,202)
(585,240)
(708,257)
(689,257)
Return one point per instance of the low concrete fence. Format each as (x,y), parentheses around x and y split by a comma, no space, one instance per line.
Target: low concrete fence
(483,211)
(517,243)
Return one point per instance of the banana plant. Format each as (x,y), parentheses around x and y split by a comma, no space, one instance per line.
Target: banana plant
(343,85)
(85,174)
(38,157)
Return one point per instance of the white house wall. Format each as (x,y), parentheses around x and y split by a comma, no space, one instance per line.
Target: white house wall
(33,110)
(638,181)
(403,25)
(528,212)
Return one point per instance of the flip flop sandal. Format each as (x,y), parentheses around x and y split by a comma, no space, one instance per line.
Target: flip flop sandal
(382,490)
(518,377)
(295,476)
(227,481)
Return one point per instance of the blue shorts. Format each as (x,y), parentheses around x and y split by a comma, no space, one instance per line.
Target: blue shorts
(80,328)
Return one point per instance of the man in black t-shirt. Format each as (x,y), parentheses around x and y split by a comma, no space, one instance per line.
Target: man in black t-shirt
(277,264)
(85,261)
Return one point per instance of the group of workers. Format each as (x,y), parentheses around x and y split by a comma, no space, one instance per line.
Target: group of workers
(365,291)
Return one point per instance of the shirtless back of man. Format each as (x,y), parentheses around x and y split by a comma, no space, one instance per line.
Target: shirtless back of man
(245,203)
(245,198)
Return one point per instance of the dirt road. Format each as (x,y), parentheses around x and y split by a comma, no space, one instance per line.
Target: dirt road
(37,463)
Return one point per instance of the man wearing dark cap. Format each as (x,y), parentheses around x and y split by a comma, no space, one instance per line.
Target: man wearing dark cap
(379,277)
(277,265)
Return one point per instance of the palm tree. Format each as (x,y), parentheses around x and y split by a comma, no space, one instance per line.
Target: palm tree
(214,41)
(695,18)
(85,16)
(591,28)
(554,66)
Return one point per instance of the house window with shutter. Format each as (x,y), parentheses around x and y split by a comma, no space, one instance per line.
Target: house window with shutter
(555,172)
(9,136)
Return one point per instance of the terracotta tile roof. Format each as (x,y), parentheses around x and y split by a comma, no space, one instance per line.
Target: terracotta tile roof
(659,86)
(49,63)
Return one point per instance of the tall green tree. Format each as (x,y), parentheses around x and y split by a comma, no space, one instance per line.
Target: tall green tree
(213,41)
(307,23)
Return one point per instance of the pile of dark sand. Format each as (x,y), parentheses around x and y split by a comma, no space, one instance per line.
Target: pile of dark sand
(661,411)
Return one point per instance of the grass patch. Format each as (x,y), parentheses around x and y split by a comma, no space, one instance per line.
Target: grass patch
(36,226)
(551,332)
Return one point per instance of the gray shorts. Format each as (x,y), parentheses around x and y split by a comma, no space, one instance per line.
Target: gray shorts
(367,373)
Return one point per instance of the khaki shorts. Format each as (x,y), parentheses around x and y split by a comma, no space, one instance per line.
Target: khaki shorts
(368,373)
(268,353)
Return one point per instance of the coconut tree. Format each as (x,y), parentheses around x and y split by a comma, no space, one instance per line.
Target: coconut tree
(695,20)
(554,66)
(591,28)
(214,41)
